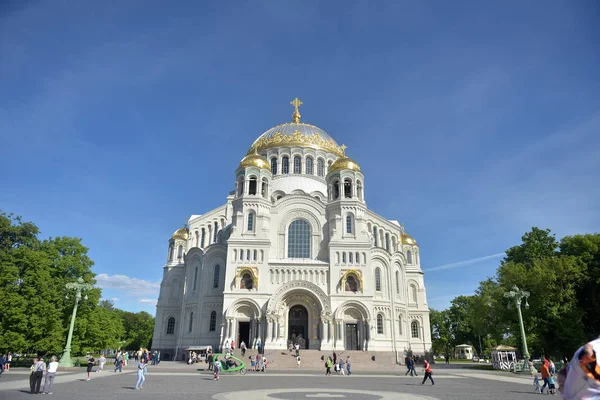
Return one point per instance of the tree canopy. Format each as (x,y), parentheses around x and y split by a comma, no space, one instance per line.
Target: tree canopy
(563,279)
(35,306)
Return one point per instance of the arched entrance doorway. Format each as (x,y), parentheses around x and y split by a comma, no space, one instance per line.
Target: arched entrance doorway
(298,326)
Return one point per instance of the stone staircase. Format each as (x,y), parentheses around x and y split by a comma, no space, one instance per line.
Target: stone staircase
(314,360)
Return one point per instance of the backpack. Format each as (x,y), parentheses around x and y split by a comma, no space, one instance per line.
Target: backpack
(325,364)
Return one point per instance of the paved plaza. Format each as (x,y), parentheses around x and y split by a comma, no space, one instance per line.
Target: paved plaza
(183,382)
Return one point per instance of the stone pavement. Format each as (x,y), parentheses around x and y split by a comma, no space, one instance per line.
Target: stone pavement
(179,381)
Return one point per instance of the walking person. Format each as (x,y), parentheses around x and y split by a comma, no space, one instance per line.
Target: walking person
(119,362)
(348,365)
(101,362)
(38,373)
(243,347)
(545,375)
(328,366)
(298,359)
(216,369)
(141,373)
(50,373)
(90,365)
(259,345)
(427,369)
(341,369)
(2,363)
(8,361)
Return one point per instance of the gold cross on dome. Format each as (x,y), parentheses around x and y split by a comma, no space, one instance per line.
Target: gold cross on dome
(402,228)
(296,115)
(343,147)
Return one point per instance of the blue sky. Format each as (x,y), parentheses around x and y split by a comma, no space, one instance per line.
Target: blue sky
(472,121)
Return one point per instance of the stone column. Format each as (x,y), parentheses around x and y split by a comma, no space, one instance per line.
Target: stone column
(250,334)
(342,335)
(269,335)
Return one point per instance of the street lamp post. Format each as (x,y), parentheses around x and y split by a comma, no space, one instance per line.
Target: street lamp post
(79,286)
(517,295)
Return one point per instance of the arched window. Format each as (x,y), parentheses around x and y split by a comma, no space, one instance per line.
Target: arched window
(255,254)
(336,190)
(348,188)
(344,258)
(380,324)
(251,222)
(213,321)
(241,187)
(215,233)
(309,165)
(274,165)
(357,258)
(376,244)
(171,326)
(216,277)
(285,165)
(378,279)
(387,241)
(348,224)
(397,282)
(351,258)
(171,252)
(351,284)
(180,252)
(299,237)
(202,237)
(241,255)
(414,329)
(297,164)
(195,277)
(320,167)
(252,186)
(359,190)
(248,254)
(413,293)
(409,257)
(247,282)
(191,322)
(265,188)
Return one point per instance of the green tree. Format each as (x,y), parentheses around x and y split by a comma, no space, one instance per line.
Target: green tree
(537,245)
(139,328)
(440,331)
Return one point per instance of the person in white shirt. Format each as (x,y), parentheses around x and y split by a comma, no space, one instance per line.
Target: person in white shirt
(50,373)
(583,374)
(101,362)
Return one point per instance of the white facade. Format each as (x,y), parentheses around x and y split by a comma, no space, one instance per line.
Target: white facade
(293,254)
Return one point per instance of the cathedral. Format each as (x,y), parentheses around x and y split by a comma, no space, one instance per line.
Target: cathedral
(294,254)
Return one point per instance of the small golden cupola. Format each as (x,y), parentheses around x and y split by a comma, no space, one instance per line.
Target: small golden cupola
(405,238)
(254,160)
(181,233)
(344,163)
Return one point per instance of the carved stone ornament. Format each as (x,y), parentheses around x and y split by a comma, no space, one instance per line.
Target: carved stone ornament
(285,290)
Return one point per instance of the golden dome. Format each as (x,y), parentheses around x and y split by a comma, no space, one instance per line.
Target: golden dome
(407,239)
(254,160)
(181,233)
(344,163)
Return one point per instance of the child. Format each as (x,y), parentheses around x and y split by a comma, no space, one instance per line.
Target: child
(298,359)
(551,385)
(536,384)
(216,369)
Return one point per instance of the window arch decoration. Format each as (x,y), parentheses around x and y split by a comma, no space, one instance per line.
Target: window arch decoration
(171,326)
(179,252)
(283,230)
(347,188)
(380,324)
(247,276)
(264,191)
(191,322)
(213,322)
(376,243)
(297,165)
(387,241)
(216,232)
(171,253)
(413,293)
(216,276)
(409,257)
(240,187)
(397,282)
(414,329)
(352,281)
(299,239)
(202,237)
(378,279)
(252,185)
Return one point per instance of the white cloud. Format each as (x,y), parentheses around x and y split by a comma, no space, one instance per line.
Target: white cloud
(463,263)
(128,286)
(114,299)
(150,301)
